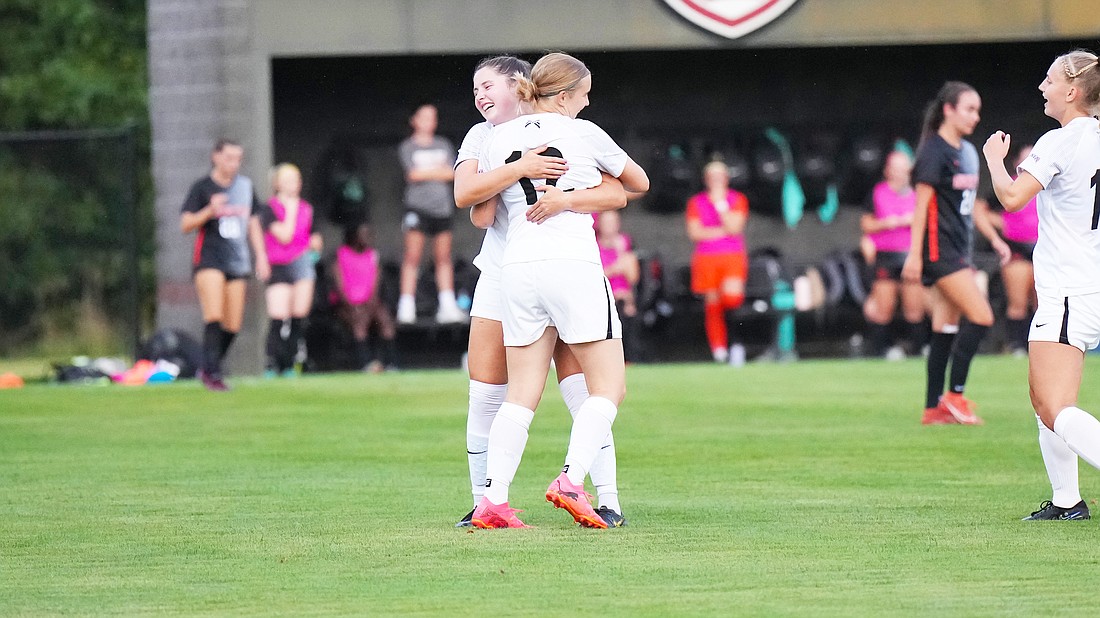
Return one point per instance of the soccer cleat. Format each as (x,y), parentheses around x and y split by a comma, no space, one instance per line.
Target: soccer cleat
(574,500)
(466,520)
(213,382)
(1048,511)
(937,416)
(489,515)
(961,408)
(610,517)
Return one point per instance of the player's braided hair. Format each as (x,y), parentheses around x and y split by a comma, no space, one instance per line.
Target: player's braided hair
(1082,69)
(553,74)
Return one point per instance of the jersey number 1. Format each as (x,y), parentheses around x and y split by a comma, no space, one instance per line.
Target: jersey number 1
(528,186)
(1095,199)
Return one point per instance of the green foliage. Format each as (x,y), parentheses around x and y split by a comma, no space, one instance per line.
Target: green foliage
(72,64)
(66,65)
(807,489)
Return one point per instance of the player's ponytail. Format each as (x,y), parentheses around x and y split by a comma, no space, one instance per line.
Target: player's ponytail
(933,114)
(526,90)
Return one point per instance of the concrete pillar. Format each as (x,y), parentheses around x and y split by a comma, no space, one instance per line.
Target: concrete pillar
(200,89)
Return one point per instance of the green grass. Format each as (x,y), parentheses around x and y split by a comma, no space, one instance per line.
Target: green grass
(776,490)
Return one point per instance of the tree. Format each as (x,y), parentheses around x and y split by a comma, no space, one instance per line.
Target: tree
(68,64)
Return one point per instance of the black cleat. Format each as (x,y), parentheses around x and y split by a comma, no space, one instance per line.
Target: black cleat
(466,522)
(610,517)
(1048,511)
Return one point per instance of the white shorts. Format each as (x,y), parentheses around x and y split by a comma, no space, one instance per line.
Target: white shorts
(487,302)
(1072,320)
(572,295)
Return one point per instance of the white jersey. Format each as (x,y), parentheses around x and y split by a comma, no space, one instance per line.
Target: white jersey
(489,259)
(587,148)
(1066,161)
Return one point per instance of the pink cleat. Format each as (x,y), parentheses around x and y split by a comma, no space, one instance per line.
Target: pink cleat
(961,408)
(489,515)
(566,495)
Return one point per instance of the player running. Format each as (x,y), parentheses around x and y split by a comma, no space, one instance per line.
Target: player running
(1063,170)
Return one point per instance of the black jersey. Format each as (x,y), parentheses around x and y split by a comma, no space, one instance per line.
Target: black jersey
(953,174)
(222,242)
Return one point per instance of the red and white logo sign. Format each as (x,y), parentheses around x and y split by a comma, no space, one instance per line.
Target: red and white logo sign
(730,18)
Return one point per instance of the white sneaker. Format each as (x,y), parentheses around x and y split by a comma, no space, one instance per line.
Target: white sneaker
(737,355)
(406,311)
(896,353)
(449,315)
(721,355)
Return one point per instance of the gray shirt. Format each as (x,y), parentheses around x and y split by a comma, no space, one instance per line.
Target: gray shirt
(429,197)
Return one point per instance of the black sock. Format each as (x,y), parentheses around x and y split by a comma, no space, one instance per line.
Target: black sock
(966,346)
(938,354)
(362,353)
(917,334)
(211,348)
(878,337)
(388,354)
(275,344)
(1016,332)
(293,341)
(225,342)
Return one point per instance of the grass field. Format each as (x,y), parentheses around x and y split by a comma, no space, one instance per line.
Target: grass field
(776,490)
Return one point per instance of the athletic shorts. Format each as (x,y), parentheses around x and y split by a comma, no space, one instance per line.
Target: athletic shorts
(487,301)
(301,269)
(1072,320)
(426,224)
(1021,250)
(572,295)
(948,264)
(709,270)
(229,275)
(888,265)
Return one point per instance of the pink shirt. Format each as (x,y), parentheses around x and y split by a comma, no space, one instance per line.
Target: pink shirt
(609,254)
(358,271)
(1022,225)
(701,208)
(277,252)
(890,203)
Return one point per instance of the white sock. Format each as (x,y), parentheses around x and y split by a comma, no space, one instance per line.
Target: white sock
(603,476)
(590,428)
(574,390)
(507,439)
(1061,463)
(1081,431)
(485,400)
(447,299)
(406,299)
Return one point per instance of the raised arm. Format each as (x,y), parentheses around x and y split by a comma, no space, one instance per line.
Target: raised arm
(1013,194)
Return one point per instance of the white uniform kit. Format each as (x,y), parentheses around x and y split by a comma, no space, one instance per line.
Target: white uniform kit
(1066,161)
(487,299)
(551,273)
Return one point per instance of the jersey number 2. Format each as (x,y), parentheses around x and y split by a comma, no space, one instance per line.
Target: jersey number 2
(1095,199)
(526,184)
